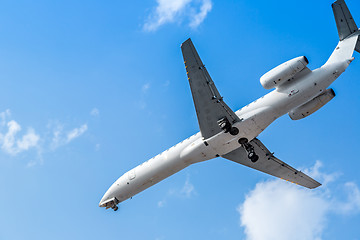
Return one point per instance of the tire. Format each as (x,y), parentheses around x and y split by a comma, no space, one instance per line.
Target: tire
(234,131)
(254,158)
(251,155)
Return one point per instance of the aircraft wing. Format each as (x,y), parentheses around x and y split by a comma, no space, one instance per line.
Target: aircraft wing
(209,104)
(269,164)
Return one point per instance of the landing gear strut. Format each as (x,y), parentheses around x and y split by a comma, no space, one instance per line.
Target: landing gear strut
(249,149)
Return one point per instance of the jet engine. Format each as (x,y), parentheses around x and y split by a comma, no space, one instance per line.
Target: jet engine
(283,72)
(312,106)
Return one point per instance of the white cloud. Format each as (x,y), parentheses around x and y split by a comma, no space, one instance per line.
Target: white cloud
(57,132)
(76,132)
(28,141)
(9,138)
(11,145)
(3,117)
(199,17)
(161,203)
(188,189)
(277,210)
(13,141)
(95,112)
(317,174)
(169,11)
(61,137)
(352,204)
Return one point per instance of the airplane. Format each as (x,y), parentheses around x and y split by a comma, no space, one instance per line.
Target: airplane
(298,92)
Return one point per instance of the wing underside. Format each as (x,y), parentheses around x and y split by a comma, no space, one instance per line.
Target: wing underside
(269,164)
(209,104)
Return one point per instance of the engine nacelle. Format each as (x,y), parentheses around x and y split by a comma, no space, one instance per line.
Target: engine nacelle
(283,72)
(310,107)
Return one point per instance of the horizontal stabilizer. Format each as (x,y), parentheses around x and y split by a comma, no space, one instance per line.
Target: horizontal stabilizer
(269,164)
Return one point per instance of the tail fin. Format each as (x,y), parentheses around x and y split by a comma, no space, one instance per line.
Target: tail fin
(344,21)
(348,33)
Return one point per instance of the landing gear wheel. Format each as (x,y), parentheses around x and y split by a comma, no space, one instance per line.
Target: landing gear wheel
(251,155)
(234,131)
(254,158)
(116,208)
(249,149)
(243,141)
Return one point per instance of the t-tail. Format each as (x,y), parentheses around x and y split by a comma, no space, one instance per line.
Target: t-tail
(348,34)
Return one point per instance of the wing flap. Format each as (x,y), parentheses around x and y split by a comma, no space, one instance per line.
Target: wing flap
(209,104)
(269,164)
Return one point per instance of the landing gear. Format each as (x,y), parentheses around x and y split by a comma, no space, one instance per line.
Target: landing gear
(225,125)
(249,149)
(253,157)
(114,205)
(234,131)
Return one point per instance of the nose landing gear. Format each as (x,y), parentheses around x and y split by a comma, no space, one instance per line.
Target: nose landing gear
(249,149)
(114,204)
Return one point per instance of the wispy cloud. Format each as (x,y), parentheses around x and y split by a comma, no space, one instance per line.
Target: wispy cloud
(62,137)
(76,132)
(13,140)
(276,209)
(188,189)
(170,11)
(95,112)
(161,203)
(3,117)
(186,192)
(200,16)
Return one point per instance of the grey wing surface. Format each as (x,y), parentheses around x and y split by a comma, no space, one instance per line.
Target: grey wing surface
(209,104)
(269,164)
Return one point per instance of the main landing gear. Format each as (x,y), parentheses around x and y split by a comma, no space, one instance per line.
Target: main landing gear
(249,149)
(225,125)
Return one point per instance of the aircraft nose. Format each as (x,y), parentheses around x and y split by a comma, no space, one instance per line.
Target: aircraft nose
(109,196)
(106,197)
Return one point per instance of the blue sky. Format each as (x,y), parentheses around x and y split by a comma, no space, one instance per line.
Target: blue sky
(91,89)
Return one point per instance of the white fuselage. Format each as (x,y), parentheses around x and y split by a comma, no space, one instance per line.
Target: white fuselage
(255,117)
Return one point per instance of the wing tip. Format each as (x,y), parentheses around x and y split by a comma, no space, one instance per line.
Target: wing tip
(317,184)
(187,41)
